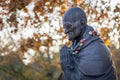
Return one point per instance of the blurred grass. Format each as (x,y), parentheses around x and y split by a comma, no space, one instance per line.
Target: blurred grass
(116,58)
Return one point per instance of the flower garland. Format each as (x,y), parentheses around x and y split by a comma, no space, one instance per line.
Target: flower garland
(82,41)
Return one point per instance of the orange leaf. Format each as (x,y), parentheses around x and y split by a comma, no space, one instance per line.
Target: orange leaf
(76,1)
(61,29)
(25,10)
(37,45)
(45,18)
(63,8)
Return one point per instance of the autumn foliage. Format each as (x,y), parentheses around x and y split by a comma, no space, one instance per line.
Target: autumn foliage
(31,34)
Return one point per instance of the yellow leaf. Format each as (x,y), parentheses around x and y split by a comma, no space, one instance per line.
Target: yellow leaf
(107,42)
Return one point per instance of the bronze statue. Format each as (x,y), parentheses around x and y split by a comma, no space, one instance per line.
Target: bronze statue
(87,58)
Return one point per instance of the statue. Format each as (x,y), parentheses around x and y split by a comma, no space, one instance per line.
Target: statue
(87,58)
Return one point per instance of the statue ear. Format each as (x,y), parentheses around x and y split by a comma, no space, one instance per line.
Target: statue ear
(82,21)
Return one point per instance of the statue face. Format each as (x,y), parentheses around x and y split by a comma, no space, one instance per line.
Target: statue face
(72,29)
(74,20)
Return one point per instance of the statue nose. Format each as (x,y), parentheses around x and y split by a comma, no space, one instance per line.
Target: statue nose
(66,31)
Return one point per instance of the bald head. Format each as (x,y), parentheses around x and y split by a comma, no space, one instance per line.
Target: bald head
(74,23)
(74,14)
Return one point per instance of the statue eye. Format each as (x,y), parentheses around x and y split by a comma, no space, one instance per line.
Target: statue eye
(68,26)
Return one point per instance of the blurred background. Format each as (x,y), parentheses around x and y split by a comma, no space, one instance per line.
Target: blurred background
(31,34)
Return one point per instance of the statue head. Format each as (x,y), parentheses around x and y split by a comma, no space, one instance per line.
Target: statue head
(74,22)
